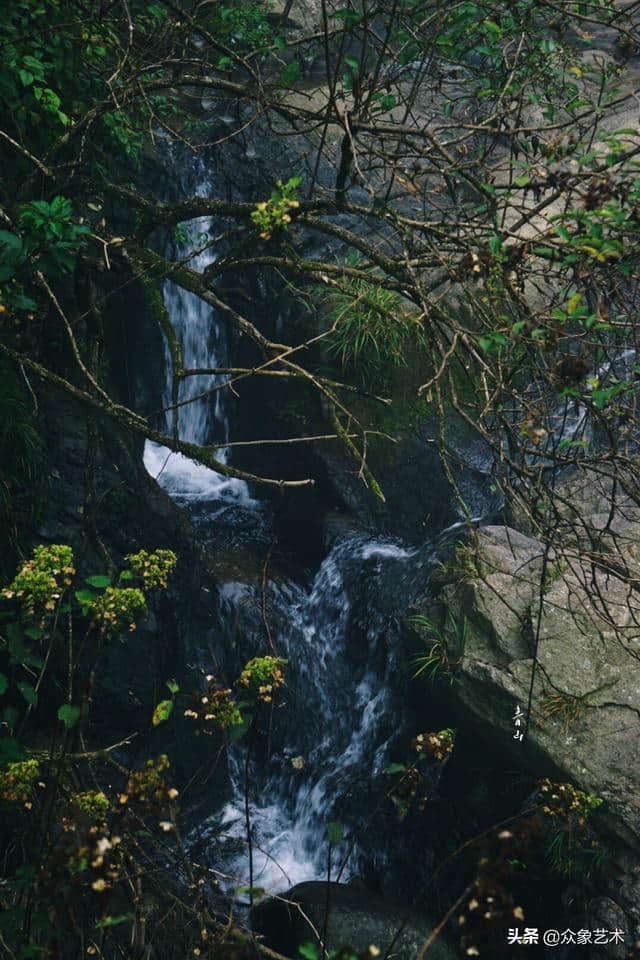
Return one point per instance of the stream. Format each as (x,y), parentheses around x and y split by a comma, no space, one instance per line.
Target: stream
(344,708)
(343,715)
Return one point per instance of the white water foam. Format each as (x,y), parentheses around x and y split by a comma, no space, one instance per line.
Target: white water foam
(187,479)
(391,550)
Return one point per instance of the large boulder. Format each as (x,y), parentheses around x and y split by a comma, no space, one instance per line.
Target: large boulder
(357,918)
(578,612)
(586,692)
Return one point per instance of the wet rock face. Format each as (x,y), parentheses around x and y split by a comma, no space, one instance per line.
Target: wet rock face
(585,723)
(586,718)
(417,495)
(357,918)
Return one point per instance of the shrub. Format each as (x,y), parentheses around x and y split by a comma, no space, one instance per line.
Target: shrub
(152,568)
(273,214)
(262,676)
(40,582)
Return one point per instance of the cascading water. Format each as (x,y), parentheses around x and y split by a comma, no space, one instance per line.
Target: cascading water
(344,708)
(201,413)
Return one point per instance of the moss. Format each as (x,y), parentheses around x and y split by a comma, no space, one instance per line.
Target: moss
(554,572)
(152,288)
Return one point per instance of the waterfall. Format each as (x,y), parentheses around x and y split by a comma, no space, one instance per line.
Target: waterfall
(343,710)
(202,417)
(344,714)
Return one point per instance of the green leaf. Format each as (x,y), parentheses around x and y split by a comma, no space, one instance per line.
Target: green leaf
(4,683)
(126,575)
(522,180)
(602,398)
(11,243)
(309,951)
(570,442)
(173,686)
(36,66)
(162,712)
(26,77)
(25,875)
(28,693)
(335,832)
(22,302)
(252,891)
(99,580)
(351,17)
(114,921)
(493,341)
(492,28)
(85,597)
(69,715)
(395,768)
(290,73)
(353,63)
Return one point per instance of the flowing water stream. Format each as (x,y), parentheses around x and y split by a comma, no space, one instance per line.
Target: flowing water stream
(344,707)
(203,346)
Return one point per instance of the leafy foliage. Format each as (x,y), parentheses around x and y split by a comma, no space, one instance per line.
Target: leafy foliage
(262,676)
(416,780)
(85,853)
(245,26)
(17,781)
(446,647)
(152,568)
(273,214)
(572,848)
(370,329)
(471,154)
(41,581)
(216,709)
